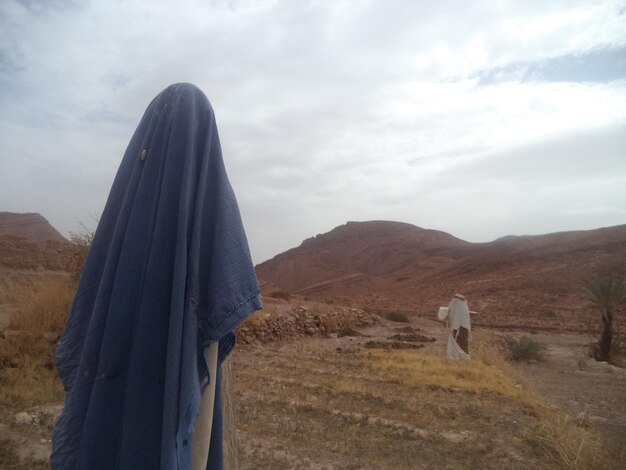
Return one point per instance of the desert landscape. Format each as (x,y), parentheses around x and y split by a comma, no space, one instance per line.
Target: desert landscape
(345,366)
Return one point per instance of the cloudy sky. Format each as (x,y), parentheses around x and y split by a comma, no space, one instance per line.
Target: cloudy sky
(481,119)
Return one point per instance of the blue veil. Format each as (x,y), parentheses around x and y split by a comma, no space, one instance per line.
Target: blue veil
(168,273)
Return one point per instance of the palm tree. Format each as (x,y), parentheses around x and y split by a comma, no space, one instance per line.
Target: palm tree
(605,294)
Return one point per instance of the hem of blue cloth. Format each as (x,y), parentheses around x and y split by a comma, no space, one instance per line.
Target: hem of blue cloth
(235,316)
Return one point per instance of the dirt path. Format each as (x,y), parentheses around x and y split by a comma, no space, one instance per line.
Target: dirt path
(593,392)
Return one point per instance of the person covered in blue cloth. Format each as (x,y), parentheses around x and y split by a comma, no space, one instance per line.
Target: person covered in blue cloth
(167,279)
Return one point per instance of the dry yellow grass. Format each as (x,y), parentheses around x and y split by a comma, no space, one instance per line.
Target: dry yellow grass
(42,306)
(27,350)
(432,371)
(561,438)
(401,409)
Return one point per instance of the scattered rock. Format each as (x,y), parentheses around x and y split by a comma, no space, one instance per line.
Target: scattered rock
(293,322)
(26,418)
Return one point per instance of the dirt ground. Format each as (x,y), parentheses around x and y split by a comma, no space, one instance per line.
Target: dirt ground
(318,403)
(291,414)
(590,391)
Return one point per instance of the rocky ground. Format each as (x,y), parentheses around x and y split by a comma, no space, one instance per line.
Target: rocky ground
(315,403)
(323,386)
(592,392)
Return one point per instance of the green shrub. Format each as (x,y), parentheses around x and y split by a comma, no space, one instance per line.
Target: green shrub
(393,315)
(524,349)
(396,315)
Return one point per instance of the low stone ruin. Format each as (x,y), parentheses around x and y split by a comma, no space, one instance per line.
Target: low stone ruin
(293,322)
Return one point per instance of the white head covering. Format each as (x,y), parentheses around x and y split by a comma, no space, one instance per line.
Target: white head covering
(459,314)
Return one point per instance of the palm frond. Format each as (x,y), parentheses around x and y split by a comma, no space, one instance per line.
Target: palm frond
(605,293)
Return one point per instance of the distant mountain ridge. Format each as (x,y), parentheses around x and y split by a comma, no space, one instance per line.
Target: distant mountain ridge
(393,264)
(31,226)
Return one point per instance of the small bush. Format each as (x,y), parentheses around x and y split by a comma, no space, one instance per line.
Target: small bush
(568,444)
(396,315)
(81,242)
(393,315)
(279,294)
(524,349)
(329,324)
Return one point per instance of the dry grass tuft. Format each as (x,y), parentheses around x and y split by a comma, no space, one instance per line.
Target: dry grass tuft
(568,445)
(28,347)
(41,307)
(553,434)
(435,372)
(524,349)
(403,409)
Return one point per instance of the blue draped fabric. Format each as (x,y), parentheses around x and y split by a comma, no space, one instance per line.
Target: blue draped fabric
(168,273)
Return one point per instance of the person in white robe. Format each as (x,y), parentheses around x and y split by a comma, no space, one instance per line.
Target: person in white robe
(459,325)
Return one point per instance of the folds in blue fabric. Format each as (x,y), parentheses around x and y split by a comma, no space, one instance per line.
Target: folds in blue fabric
(168,273)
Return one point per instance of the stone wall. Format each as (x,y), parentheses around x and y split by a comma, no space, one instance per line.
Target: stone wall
(298,321)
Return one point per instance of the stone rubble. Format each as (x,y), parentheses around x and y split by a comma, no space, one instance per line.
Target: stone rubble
(293,322)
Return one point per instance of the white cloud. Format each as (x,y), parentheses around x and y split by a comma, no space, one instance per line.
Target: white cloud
(328,111)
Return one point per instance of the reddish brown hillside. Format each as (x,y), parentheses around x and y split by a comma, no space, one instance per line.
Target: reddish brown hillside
(358,250)
(30,226)
(29,242)
(529,282)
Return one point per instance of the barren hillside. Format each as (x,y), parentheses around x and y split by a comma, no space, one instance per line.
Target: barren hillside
(359,251)
(29,242)
(30,226)
(529,281)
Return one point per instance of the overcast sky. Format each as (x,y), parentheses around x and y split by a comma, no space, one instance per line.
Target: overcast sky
(481,119)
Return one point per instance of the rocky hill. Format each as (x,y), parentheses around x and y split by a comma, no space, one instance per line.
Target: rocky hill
(358,252)
(531,282)
(30,226)
(29,242)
